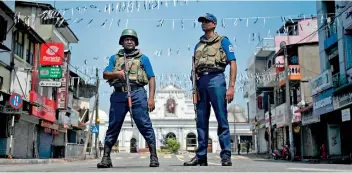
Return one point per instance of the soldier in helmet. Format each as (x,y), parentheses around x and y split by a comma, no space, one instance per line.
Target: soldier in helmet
(211,56)
(141,74)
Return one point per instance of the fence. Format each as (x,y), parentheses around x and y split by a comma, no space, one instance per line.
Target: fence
(74,150)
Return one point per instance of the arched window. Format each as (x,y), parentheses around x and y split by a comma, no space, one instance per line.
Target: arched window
(171,135)
(133,145)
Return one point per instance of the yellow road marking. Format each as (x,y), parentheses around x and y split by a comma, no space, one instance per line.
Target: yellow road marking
(179,156)
(167,156)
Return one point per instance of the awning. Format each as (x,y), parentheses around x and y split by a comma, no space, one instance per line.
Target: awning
(4,47)
(304,109)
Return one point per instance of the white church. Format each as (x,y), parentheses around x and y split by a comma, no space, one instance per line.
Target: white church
(173,117)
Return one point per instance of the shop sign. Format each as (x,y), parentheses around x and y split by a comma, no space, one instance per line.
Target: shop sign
(7,109)
(51,54)
(346,115)
(49,125)
(267,119)
(323,103)
(64,119)
(321,82)
(74,118)
(309,119)
(342,100)
(62,91)
(296,116)
(45,109)
(47,130)
(280,114)
(50,72)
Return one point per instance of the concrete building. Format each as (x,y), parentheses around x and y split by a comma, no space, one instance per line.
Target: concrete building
(53,125)
(267,98)
(330,123)
(17,67)
(173,117)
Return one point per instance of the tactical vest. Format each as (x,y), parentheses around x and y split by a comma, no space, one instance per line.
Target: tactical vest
(209,56)
(136,70)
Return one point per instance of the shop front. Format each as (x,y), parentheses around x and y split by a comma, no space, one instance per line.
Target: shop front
(44,109)
(5,117)
(342,105)
(281,133)
(323,110)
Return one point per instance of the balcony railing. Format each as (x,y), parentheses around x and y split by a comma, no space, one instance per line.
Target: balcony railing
(270,77)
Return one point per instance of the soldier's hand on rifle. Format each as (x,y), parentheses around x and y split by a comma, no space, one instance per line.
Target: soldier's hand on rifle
(230,94)
(120,74)
(151,104)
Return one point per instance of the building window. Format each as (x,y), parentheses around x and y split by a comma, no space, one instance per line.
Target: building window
(170,107)
(49,21)
(19,44)
(30,52)
(348,51)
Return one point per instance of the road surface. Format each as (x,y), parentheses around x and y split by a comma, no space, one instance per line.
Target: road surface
(125,162)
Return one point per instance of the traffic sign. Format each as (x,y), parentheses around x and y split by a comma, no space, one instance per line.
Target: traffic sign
(16,101)
(95,129)
(50,83)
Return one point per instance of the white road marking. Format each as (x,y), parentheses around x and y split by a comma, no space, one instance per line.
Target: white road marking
(217,164)
(318,169)
(143,157)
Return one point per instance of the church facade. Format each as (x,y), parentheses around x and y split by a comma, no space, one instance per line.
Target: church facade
(174,117)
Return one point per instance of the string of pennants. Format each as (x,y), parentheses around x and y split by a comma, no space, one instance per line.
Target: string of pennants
(57,15)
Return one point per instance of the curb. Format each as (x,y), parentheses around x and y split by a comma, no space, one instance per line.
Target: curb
(41,161)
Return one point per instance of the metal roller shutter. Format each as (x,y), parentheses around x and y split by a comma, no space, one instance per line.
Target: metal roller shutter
(45,141)
(20,142)
(3,146)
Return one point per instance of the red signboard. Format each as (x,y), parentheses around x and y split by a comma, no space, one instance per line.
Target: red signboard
(46,110)
(61,94)
(51,54)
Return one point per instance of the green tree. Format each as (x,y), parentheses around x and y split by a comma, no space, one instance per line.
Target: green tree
(173,145)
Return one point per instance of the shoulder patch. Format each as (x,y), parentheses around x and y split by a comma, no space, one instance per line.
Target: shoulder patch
(231,49)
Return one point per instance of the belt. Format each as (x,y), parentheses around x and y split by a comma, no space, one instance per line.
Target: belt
(204,73)
(124,89)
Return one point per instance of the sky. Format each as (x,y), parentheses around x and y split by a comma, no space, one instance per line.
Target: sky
(98,41)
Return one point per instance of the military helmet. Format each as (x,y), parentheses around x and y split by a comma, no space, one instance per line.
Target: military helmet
(128,32)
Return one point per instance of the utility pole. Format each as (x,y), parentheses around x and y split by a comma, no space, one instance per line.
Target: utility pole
(97,121)
(288,100)
(89,128)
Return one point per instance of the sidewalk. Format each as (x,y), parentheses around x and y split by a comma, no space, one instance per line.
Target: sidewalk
(42,161)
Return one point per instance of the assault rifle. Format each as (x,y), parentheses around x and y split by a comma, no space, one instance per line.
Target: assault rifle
(128,86)
(194,88)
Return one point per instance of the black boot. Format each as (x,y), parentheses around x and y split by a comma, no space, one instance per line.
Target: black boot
(194,162)
(226,160)
(106,160)
(153,156)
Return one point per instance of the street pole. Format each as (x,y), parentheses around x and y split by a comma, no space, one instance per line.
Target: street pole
(89,128)
(288,100)
(97,154)
(270,127)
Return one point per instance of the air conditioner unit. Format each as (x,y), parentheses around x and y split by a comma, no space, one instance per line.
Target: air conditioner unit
(3,29)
